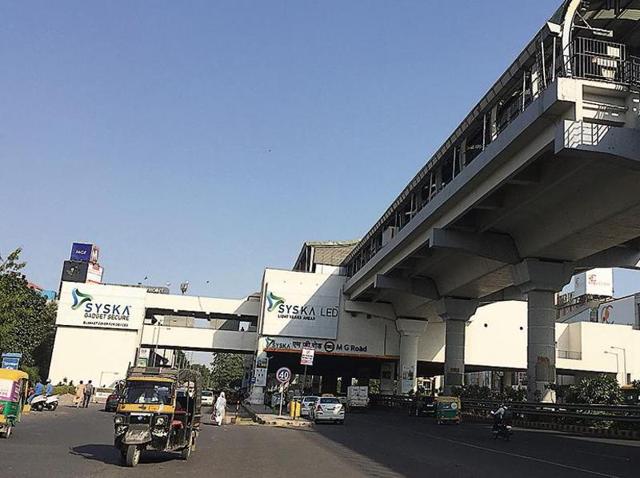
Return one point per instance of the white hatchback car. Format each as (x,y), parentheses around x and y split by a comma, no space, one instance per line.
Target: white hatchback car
(328,409)
(207,398)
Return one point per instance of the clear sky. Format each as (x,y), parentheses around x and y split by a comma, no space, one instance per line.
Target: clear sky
(205,140)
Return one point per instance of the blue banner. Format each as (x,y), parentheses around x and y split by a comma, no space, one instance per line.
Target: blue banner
(81,252)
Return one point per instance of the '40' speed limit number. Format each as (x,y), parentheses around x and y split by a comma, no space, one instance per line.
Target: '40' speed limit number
(283,375)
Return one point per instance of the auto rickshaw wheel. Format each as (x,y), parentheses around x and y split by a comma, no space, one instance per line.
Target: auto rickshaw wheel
(6,433)
(133,456)
(186,452)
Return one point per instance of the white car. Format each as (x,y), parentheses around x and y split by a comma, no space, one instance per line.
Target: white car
(328,409)
(307,404)
(207,398)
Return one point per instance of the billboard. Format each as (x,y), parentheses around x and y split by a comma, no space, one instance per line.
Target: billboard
(74,271)
(594,282)
(84,252)
(299,304)
(622,311)
(101,306)
(94,274)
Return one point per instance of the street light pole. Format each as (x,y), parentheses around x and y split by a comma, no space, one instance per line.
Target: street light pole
(624,362)
(617,364)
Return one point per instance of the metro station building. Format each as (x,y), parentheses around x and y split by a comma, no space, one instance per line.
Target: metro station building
(102,329)
(460,274)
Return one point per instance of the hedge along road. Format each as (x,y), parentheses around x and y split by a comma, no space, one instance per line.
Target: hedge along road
(78,443)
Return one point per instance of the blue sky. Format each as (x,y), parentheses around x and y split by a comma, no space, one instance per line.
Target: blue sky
(204,141)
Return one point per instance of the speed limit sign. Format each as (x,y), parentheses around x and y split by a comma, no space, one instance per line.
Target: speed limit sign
(283,375)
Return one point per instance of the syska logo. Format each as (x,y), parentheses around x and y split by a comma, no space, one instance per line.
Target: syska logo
(97,313)
(79,298)
(304,312)
(274,301)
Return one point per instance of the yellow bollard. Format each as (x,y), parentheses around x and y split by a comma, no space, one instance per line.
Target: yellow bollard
(294,409)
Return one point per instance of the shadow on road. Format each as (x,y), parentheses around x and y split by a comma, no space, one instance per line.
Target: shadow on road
(104,453)
(109,455)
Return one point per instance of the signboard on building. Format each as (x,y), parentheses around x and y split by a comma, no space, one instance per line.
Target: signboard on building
(622,311)
(306,358)
(260,377)
(290,344)
(596,282)
(84,252)
(94,274)
(297,304)
(102,306)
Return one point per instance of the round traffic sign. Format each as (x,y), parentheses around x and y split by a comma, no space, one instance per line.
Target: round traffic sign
(283,375)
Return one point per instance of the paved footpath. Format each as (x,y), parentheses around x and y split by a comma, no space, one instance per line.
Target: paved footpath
(77,443)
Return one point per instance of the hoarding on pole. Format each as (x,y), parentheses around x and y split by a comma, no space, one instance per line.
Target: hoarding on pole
(306,358)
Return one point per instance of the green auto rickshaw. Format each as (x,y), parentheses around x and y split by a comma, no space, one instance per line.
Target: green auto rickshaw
(448,410)
(13,398)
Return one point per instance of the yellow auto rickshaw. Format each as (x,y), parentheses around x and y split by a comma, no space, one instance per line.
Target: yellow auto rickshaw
(13,398)
(448,410)
(158,409)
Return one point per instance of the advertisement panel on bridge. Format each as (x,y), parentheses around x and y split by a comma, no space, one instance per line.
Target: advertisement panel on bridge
(101,306)
(297,304)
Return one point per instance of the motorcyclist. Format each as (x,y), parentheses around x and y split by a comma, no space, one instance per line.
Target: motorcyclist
(499,416)
(37,391)
(48,389)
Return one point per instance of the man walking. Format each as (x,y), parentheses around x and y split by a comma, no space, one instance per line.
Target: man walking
(88,392)
(79,399)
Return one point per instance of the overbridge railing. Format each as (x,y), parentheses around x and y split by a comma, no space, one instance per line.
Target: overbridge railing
(562,413)
(533,411)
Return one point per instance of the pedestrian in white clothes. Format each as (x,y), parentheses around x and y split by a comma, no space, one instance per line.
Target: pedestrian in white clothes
(221,407)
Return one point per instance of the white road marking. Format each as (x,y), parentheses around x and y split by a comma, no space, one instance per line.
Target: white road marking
(517,455)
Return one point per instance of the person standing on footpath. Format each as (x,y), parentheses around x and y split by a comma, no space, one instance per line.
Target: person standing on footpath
(88,392)
(79,398)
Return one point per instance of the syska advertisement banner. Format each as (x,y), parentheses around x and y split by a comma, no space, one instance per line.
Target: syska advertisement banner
(113,307)
(297,304)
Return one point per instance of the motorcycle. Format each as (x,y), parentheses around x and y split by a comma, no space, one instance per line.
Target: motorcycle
(43,402)
(502,430)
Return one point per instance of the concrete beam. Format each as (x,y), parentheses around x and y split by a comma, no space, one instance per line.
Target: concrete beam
(377,310)
(510,293)
(621,256)
(499,247)
(424,287)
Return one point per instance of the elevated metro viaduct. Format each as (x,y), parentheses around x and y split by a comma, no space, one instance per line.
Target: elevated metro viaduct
(539,181)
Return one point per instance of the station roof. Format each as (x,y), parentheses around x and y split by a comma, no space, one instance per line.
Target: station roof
(331,253)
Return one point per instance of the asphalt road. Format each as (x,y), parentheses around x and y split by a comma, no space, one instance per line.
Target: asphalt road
(77,443)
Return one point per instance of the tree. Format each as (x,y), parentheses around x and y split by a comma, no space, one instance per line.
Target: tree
(27,321)
(602,389)
(205,373)
(227,370)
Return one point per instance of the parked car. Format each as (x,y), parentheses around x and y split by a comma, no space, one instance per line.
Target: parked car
(328,409)
(207,398)
(307,404)
(112,402)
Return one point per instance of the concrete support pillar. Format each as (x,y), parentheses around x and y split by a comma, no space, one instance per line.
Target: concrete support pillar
(540,280)
(410,332)
(455,313)
(541,344)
